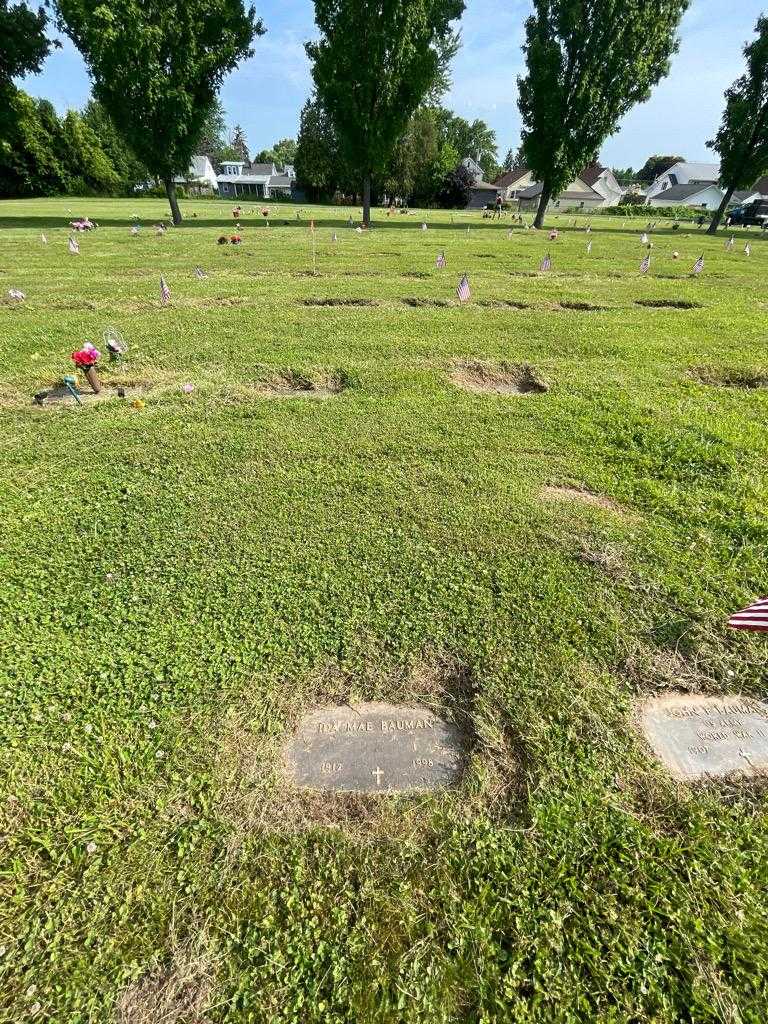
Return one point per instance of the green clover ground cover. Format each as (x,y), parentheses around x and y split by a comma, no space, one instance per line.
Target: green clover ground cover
(182,581)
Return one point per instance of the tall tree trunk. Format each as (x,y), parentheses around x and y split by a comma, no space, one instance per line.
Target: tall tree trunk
(546,195)
(367,201)
(712,229)
(170,191)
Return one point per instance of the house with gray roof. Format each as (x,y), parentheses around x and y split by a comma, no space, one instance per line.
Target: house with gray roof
(263,181)
(702,196)
(578,196)
(684,173)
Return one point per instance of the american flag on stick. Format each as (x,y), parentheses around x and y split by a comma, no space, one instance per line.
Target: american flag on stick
(165,291)
(698,266)
(546,263)
(729,244)
(463,291)
(440,261)
(589,247)
(747,249)
(44,240)
(200,274)
(645,266)
(754,617)
(74,246)
(135,229)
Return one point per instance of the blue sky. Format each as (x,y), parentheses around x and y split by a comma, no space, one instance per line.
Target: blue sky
(266,93)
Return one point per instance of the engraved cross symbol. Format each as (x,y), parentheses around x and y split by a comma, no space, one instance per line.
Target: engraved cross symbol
(378,773)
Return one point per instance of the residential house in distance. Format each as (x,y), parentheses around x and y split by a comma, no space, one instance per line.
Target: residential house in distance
(481,193)
(683,173)
(603,181)
(263,181)
(511,183)
(201,177)
(700,196)
(578,196)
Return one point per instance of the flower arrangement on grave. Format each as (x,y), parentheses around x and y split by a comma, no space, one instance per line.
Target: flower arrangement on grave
(235,239)
(222,240)
(85,359)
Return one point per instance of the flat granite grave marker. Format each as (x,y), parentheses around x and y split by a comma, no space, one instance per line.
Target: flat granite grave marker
(374,748)
(699,737)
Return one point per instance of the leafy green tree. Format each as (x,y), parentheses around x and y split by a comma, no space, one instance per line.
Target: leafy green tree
(130,171)
(656,165)
(239,143)
(742,140)
(513,159)
(470,138)
(588,63)
(157,66)
(23,43)
(283,152)
(317,150)
(624,175)
(213,133)
(89,169)
(373,65)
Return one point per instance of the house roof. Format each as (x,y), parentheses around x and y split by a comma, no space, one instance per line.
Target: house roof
(484,185)
(741,197)
(510,177)
(591,173)
(263,169)
(761,185)
(243,179)
(533,191)
(678,192)
(694,171)
(279,181)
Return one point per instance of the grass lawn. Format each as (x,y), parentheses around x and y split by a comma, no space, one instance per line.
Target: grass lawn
(182,581)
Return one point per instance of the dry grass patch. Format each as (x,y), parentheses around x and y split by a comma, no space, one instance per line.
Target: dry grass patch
(498,378)
(729,378)
(581,307)
(416,303)
(289,383)
(339,302)
(502,304)
(562,492)
(177,993)
(668,304)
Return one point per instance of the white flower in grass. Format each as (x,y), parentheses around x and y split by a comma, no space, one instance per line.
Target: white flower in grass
(89,728)
(159,754)
(91,848)
(30,991)
(35,1008)
(152,724)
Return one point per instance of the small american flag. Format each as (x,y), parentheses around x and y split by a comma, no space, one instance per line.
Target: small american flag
(335,237)
(747,249)
(463,291)
(16,295)
(200,274)
(165,291)
(440,261)
(74,246)
(589,248)
(698,266)
(729,244)
(135,229)
(645,266)
(644,239)
(589,228)
(754,617)
(546,263)
(423,226)
(43,239)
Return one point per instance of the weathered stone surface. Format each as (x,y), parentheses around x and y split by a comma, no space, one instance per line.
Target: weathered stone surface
(374,748)
(699,737)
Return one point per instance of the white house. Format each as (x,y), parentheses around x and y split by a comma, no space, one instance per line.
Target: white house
(511,183)
(578,196)
(473,167)
(702,197)
(684,173)
(603,181)
(265,181)
(200,175)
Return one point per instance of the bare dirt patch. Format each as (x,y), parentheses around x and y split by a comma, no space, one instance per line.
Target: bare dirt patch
(416,303)
(554,492)
(418,275)
(498,378)
(339,302)
(581,307)
(485,255)
(668,304)
(729,378)
(59,396)
(288,383)
(502,304)
(177,993)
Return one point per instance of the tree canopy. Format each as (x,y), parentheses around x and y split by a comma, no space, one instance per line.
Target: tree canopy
(742,141)
(588,63)
(656,165)
(157,66)
(283,152)
(373,65)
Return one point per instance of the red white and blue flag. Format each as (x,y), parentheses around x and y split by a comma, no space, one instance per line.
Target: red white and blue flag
(645,266)
(463,291)
(589,247)
(698,266)
(546,263)
(200,274)
(440,261)
(44,240)
(165,291)
(754,617)
(747,249)
(74,246)
(729,244)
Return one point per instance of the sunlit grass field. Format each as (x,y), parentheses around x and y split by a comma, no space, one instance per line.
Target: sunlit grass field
(182,580)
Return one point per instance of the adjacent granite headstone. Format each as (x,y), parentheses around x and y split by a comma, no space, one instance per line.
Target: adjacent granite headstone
(698,737)
(374,748)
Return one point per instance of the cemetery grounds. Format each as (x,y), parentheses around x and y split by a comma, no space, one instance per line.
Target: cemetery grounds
(353,503)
